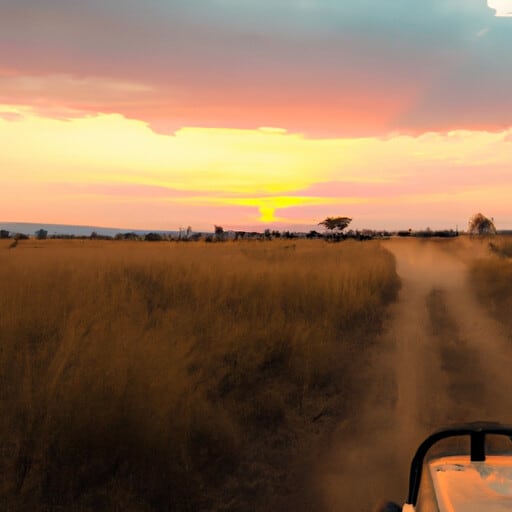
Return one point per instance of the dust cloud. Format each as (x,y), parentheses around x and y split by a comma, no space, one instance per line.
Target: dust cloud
(442,359)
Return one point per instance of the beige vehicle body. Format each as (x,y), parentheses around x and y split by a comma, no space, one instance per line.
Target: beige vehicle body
(474,482)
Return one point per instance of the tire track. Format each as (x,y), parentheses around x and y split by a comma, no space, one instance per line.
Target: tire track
(487,338)
(460,363)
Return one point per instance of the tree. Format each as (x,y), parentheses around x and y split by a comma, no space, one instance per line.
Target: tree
(153,237)
(335,223)
(41,234)
(479,224)
(219,233)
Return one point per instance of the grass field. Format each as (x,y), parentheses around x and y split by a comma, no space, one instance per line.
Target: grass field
(492,279)
(183,377)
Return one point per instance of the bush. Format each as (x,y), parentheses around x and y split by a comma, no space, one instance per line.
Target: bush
(153,237)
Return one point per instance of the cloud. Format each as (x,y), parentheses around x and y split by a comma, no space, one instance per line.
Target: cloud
(10,116)
(125,191)
(482,32)
(503,8)
(451,179)
(323,68)
(65,96)
(112,167)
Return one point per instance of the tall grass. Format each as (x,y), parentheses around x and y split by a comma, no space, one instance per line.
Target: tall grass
(173,376)
(502,246)
(492,279)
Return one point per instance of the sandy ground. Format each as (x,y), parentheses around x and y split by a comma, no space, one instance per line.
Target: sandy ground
(442,360)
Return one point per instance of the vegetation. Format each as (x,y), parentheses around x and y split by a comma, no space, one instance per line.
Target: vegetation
(176,376)
(492,280)
(219,233)
(479,224)
(335,223)
(153,237)
(41,234)
(503,248)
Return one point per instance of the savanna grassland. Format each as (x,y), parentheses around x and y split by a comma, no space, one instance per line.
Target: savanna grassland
(167,376)
(492,279)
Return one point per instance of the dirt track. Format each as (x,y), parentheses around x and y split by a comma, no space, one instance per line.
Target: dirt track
(443,360)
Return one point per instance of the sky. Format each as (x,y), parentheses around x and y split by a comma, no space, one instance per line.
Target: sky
(255,113)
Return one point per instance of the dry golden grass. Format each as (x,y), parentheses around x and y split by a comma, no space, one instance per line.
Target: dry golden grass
(139,376)
(502,246)
(492,279)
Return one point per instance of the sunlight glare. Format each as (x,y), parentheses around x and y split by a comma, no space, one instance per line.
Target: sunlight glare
(267,214)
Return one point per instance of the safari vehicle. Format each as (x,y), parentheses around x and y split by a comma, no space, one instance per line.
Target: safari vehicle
(450,481)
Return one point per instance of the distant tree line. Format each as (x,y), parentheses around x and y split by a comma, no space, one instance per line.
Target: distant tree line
(429,233)
(335,231)
(4,234)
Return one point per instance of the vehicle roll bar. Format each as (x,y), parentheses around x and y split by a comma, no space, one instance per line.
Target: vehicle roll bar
(476,431)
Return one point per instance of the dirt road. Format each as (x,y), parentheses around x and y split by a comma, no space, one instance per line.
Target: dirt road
(442,360)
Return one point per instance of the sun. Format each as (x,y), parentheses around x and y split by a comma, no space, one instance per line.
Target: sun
(267,213)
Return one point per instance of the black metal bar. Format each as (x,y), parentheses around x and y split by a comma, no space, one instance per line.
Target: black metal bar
(478,447)
(477,432)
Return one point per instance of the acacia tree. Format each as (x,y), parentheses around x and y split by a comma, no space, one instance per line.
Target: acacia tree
(335,223)
(479,224)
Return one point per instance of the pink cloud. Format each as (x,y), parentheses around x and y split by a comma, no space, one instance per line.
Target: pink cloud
(136,191)
(11,116)
(117,190)
(172,65)
(127,206)
(448,179)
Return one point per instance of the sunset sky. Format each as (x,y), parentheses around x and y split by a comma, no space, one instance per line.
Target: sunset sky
(255,113)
